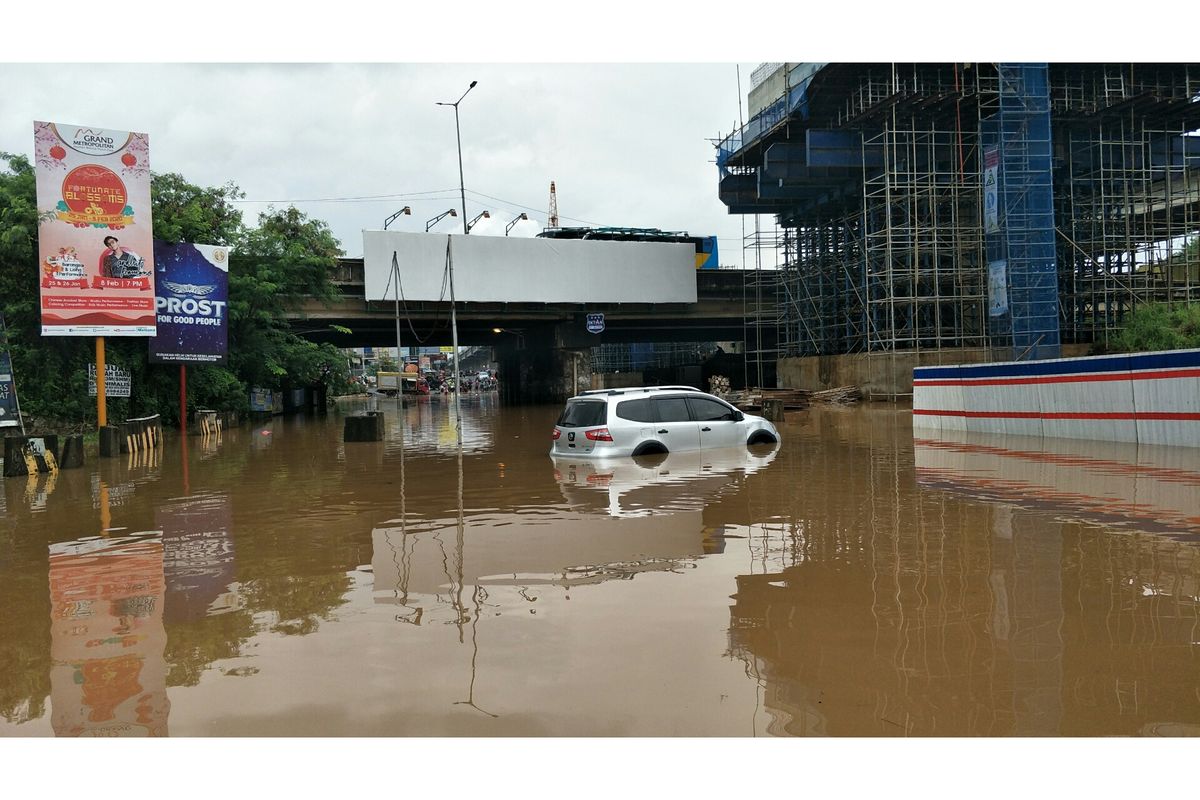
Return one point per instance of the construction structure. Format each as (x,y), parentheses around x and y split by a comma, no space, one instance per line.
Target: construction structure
(910,214)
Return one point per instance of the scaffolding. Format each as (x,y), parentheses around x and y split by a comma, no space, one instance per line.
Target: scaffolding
(1099,166)
(619,357)
(1130,210)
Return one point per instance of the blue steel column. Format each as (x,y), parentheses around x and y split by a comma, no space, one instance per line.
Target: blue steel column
(1025,241)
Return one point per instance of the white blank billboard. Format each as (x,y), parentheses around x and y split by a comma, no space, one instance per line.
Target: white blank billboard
(500,269)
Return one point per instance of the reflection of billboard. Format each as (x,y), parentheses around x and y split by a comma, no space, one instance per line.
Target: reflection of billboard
(191,298)
(95,245)
(198,560)
(108,675)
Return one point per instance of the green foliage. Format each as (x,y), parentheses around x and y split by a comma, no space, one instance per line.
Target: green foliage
(1157,326)
(286,260)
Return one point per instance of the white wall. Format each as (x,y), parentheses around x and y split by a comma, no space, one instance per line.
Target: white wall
(500,269)
(1147,398)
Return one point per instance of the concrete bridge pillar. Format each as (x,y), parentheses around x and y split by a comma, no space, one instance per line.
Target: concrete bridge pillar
(535,372)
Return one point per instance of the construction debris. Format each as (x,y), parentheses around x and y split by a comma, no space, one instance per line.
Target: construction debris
(792,399)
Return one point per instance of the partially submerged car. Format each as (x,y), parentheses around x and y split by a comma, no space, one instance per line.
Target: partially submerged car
(606,423)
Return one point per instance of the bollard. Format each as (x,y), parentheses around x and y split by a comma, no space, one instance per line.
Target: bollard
(110,441)
(365,428)
(773,410)
(71,456)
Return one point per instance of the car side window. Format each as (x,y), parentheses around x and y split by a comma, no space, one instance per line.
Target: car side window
(635,410)
(705,410)
(671,409)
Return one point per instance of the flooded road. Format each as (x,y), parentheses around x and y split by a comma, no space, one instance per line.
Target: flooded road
(852,582)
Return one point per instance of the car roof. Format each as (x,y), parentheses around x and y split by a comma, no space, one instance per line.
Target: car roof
(634,391)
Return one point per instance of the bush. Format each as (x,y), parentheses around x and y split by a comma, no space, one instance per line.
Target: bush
(1157,326)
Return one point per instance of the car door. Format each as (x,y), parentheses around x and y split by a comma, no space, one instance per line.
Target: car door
(717,423)
(675,427)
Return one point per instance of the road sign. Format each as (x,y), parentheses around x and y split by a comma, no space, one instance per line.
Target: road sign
(595,323)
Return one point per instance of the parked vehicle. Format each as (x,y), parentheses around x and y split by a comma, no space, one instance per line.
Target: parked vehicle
(660,419)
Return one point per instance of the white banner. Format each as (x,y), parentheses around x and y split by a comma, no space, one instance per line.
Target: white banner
(991,194)
(998,288)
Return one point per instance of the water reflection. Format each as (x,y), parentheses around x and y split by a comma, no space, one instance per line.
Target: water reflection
(846,583)
(947,612)
(636,487)
(107,637)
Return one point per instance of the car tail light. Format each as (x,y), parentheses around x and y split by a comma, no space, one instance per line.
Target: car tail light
(598,435)
(557,433)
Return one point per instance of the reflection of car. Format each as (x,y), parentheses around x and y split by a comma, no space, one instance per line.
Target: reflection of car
(661,419)
(625,487)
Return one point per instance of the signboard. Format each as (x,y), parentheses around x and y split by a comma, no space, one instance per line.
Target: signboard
(998,288)
(117,381)
(446,350)
(595,323)
(991,194)
(95,246)
(8,385)
(191,297)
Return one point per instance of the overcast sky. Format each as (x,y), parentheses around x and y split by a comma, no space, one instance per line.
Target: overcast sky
(627,145)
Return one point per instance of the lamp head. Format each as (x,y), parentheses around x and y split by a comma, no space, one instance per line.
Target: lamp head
(453,213)
(497,330)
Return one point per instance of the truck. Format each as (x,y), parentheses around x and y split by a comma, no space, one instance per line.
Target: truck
(394,383)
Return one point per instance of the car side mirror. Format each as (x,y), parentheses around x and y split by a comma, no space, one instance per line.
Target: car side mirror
(738,416)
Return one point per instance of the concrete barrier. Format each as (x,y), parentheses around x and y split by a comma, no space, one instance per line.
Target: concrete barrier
(71,456)
(365,428)
(1148,398)
(26,455)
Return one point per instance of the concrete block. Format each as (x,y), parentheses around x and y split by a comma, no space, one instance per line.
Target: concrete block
(71,456)
(365,428)
(110,441)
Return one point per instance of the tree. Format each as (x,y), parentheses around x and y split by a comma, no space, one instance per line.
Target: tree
(285,260)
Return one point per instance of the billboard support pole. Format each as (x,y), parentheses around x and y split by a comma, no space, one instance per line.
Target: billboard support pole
(183,399)
(399,363)
(101,406)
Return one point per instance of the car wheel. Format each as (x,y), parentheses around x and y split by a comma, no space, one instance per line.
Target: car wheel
(650,448)
(761,437)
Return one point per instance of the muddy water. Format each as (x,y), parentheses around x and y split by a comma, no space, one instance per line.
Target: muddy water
(851,582)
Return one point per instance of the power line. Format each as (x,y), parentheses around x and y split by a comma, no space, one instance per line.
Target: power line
(359,199)
(530,208)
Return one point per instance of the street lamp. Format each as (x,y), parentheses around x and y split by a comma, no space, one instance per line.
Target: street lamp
(458,135)
(510,225)
(406,211)
(451,213)
(519,334)
(482,215)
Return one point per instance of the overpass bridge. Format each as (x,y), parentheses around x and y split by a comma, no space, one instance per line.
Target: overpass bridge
(717,315)
(537,292)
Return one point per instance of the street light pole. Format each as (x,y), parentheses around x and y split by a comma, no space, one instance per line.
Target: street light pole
(462,189)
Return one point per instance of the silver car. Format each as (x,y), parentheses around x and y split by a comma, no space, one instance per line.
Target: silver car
(607,423)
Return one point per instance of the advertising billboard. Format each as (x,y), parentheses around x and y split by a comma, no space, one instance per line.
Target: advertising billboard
(95,241)
(191,302)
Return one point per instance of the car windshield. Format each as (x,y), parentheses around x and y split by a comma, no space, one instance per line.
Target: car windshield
(584,413)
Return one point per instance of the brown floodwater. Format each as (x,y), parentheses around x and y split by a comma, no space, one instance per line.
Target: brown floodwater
(854,581)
